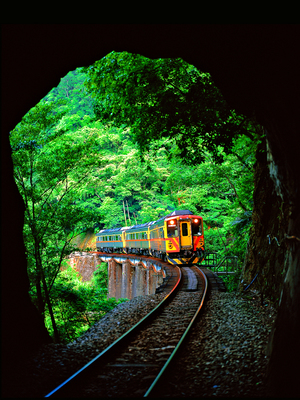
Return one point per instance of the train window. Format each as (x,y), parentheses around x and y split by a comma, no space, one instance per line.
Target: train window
(161,232)
(196,227)
(172,231)
(184,229)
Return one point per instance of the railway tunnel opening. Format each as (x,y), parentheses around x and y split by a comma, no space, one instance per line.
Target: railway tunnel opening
(239,75)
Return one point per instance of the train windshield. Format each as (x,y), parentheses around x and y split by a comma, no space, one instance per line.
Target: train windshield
(172,230)
(196,227)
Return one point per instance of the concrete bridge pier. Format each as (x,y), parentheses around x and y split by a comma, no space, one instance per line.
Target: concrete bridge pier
(139,282)
(129,279)
(115,279)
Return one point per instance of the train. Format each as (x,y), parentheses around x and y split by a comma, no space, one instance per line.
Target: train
(176,238)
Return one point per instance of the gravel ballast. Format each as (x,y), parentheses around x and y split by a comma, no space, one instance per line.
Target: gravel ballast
(225,356)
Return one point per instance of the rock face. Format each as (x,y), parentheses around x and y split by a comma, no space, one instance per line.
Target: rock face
(273,254)
(85,240)
(256,68)
(267,245)
(85,264)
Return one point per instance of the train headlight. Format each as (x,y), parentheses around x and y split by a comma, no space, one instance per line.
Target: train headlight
(172,222)
(196,220)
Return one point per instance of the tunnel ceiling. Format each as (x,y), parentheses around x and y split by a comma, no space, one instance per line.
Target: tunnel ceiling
(255,66)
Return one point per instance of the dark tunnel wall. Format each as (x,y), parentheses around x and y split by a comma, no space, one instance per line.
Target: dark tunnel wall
(255,66)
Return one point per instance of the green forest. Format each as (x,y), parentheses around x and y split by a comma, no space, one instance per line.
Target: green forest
(150,136)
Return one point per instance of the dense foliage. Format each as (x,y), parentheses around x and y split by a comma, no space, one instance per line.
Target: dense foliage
(78,305)
(77,165)
(165,98)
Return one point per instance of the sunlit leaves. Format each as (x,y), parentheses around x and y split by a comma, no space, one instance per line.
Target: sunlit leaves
(165,98)
(51,163)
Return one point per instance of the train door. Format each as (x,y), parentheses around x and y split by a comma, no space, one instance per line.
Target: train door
(186,235)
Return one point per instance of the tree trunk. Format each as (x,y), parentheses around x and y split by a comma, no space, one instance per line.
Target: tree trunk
(40,300)
(56,335)
(41,276)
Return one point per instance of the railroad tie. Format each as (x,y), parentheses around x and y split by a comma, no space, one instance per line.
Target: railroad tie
(192,280)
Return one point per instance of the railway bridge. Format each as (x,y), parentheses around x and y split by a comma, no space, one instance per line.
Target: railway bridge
(130,276)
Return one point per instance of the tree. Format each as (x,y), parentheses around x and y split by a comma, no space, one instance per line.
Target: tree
(165,98)
(50,166)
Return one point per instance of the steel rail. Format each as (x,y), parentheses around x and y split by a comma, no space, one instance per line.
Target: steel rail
(154,384)
(64,387)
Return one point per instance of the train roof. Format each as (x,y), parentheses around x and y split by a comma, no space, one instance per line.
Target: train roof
(180,212)
(138,226)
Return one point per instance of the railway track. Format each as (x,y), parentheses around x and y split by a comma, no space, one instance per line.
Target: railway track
(133,366)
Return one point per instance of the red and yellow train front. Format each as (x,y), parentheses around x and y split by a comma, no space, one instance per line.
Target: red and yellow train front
(184,239)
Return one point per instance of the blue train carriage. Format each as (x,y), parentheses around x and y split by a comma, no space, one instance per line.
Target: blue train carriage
(157,238)
(110,240)
(184,238)
(136,239)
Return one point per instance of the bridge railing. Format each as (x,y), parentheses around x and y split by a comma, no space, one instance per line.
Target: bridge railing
(221,265)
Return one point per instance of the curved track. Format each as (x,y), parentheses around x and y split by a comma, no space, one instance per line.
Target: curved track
(133,365)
